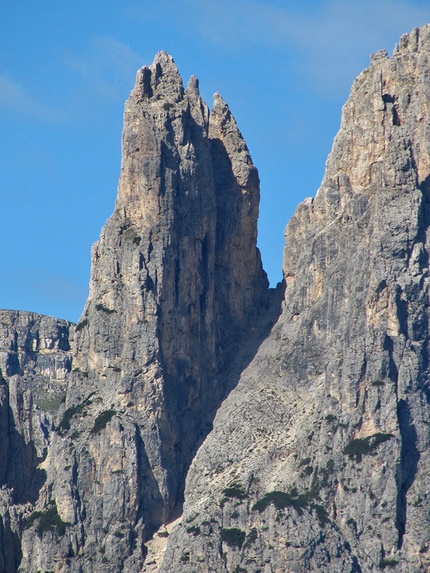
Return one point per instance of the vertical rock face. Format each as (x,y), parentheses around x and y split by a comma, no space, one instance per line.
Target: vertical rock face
(35,357)
(319,459)
(178,300)
(176,273)
(179,254)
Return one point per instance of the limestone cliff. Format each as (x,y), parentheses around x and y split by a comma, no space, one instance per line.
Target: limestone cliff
(304,444)
(35,358)
(319,459)
(178,304)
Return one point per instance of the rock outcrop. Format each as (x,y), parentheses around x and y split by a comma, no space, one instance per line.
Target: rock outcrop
(299,446)
(178,305)
(319,459)
(35,357)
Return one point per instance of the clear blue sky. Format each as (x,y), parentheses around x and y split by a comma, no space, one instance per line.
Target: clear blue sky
(66,68)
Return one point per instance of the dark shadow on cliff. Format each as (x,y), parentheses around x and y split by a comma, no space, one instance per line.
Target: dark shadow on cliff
(408,465)
(209,337)
(151,502)
(10,548)
(18,458)
(242,351)
(202,372)
(19,473)
(23,475)
(425,206)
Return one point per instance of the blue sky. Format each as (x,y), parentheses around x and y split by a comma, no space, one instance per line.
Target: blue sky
(284,67)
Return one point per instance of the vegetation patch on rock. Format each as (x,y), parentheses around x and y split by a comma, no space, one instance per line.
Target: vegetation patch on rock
(48,520)
(360,447)
(234,491)
(102,420)
(384,563)
(73,411)
(105,309)
(233,537)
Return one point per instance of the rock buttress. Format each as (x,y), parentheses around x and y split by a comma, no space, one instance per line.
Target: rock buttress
(319,459)
(176,287)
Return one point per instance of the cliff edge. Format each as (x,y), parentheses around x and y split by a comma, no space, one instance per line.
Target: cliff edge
(187,422)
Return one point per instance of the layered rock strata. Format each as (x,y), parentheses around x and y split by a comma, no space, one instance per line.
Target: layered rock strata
(319,459)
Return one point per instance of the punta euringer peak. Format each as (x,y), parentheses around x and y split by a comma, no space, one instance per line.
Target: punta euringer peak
(195,420)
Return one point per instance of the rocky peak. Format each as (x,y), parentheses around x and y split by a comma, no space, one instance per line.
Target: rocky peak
(310,454)
(319,459)
(176,283)
(159,82)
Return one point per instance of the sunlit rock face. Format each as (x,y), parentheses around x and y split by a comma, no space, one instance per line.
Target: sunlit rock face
(178,305)
(299,439)
(319,459)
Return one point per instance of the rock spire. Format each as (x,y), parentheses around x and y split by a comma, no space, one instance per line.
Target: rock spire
(193,433)
(176,283)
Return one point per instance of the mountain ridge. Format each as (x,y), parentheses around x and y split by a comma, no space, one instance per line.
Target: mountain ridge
(288,427)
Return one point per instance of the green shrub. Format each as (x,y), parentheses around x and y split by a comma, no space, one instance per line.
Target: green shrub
(233,537)
(251,537)
(167,106)
(308,470)
(281,500)
(234,491)
(387,563)
(378,383)
(72,411)
(326,472)
(81,325)
(322,514)
(105,309)
(47,520)
(102,420)
(360,447)
(81,372)
(194,530)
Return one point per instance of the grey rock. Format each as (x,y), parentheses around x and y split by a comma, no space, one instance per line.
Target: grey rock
(303,437)
(35,356)
(178,305)
(320,455)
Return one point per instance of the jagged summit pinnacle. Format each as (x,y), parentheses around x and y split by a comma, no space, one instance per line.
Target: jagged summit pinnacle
(162,57)
(176,283)
(193,85)
(160,80)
